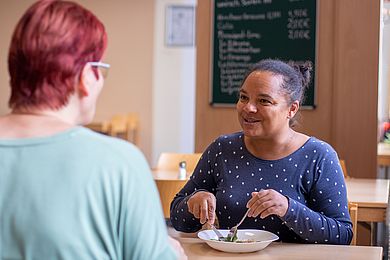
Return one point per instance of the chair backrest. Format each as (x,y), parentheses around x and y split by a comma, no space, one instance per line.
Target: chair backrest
(168,190)
(125,126)
(353,212)
(101,127)
(344,168)
(352,207)
(170,161)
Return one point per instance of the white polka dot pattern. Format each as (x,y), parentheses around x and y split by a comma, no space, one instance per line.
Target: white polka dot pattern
(309,177)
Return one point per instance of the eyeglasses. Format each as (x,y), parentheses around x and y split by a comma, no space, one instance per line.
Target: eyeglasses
(102,66)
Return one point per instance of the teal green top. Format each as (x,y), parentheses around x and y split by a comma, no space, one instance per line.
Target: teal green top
(78,195)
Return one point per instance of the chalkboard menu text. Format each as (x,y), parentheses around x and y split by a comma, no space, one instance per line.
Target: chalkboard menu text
(246,31)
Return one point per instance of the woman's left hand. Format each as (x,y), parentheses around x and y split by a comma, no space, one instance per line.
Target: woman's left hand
(267,202)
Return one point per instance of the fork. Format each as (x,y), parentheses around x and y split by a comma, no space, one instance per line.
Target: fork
(233,231)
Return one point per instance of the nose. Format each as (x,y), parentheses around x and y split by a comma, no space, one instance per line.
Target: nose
(250,107)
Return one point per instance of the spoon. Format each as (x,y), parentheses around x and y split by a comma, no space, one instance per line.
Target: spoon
(220,236)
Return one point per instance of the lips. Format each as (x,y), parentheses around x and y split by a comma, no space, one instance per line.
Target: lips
(251,120)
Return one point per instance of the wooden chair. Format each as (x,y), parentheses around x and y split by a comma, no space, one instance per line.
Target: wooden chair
(352,207)
(170,161)
(344,168)
(353,212)
(169,188)
(125,126)
(101,127)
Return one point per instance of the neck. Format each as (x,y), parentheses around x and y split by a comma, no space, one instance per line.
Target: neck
(272,148)
(38,122)
(25,124)
(40,115)
(68,114)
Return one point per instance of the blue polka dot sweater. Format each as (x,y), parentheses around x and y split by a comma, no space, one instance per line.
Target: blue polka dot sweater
(311,178)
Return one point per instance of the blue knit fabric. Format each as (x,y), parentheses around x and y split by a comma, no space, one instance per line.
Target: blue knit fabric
(311,178)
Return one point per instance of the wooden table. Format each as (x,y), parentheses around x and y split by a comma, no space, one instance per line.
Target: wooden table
(383,160)
(372,197)
(169,175)
(197,249)
(383,154)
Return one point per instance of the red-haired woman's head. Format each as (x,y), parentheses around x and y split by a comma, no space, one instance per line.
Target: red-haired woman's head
(50,46)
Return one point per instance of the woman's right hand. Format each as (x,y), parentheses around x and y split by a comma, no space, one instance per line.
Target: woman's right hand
(202,205)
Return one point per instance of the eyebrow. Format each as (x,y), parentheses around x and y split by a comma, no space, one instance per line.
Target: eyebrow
(260,95)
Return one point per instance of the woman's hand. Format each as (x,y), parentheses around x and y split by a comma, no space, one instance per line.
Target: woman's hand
(178,249)
(202,205)
(267,202)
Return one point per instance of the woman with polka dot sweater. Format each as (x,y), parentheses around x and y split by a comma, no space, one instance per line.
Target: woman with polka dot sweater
(292,183)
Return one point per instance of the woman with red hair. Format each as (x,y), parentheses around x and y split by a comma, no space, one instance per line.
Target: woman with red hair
(65,191)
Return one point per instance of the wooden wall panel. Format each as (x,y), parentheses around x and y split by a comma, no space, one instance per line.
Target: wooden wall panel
(347,77)
(313,121)
(355,99)
(210,122)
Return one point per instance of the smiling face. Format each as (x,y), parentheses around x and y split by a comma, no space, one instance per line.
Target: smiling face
(263,110)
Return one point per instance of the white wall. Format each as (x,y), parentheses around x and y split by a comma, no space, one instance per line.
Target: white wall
(146,77)
(9,16)
(173,90)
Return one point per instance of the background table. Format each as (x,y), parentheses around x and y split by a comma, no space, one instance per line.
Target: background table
(383,159)
(383,154)
(372,197)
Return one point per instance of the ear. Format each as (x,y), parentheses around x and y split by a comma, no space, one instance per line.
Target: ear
(293,109)
(86,80)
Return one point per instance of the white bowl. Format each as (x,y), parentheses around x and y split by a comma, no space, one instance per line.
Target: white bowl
(262,239)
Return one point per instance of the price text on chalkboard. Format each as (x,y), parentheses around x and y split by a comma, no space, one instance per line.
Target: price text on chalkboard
(246,31)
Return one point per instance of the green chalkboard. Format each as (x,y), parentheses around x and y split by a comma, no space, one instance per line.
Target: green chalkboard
(246,31)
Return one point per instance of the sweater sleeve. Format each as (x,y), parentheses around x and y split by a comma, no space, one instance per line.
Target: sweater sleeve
(144,234)
(202,179)
(326,218)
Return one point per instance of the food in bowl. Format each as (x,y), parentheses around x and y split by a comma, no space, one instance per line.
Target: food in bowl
(236,240)
(249,240)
